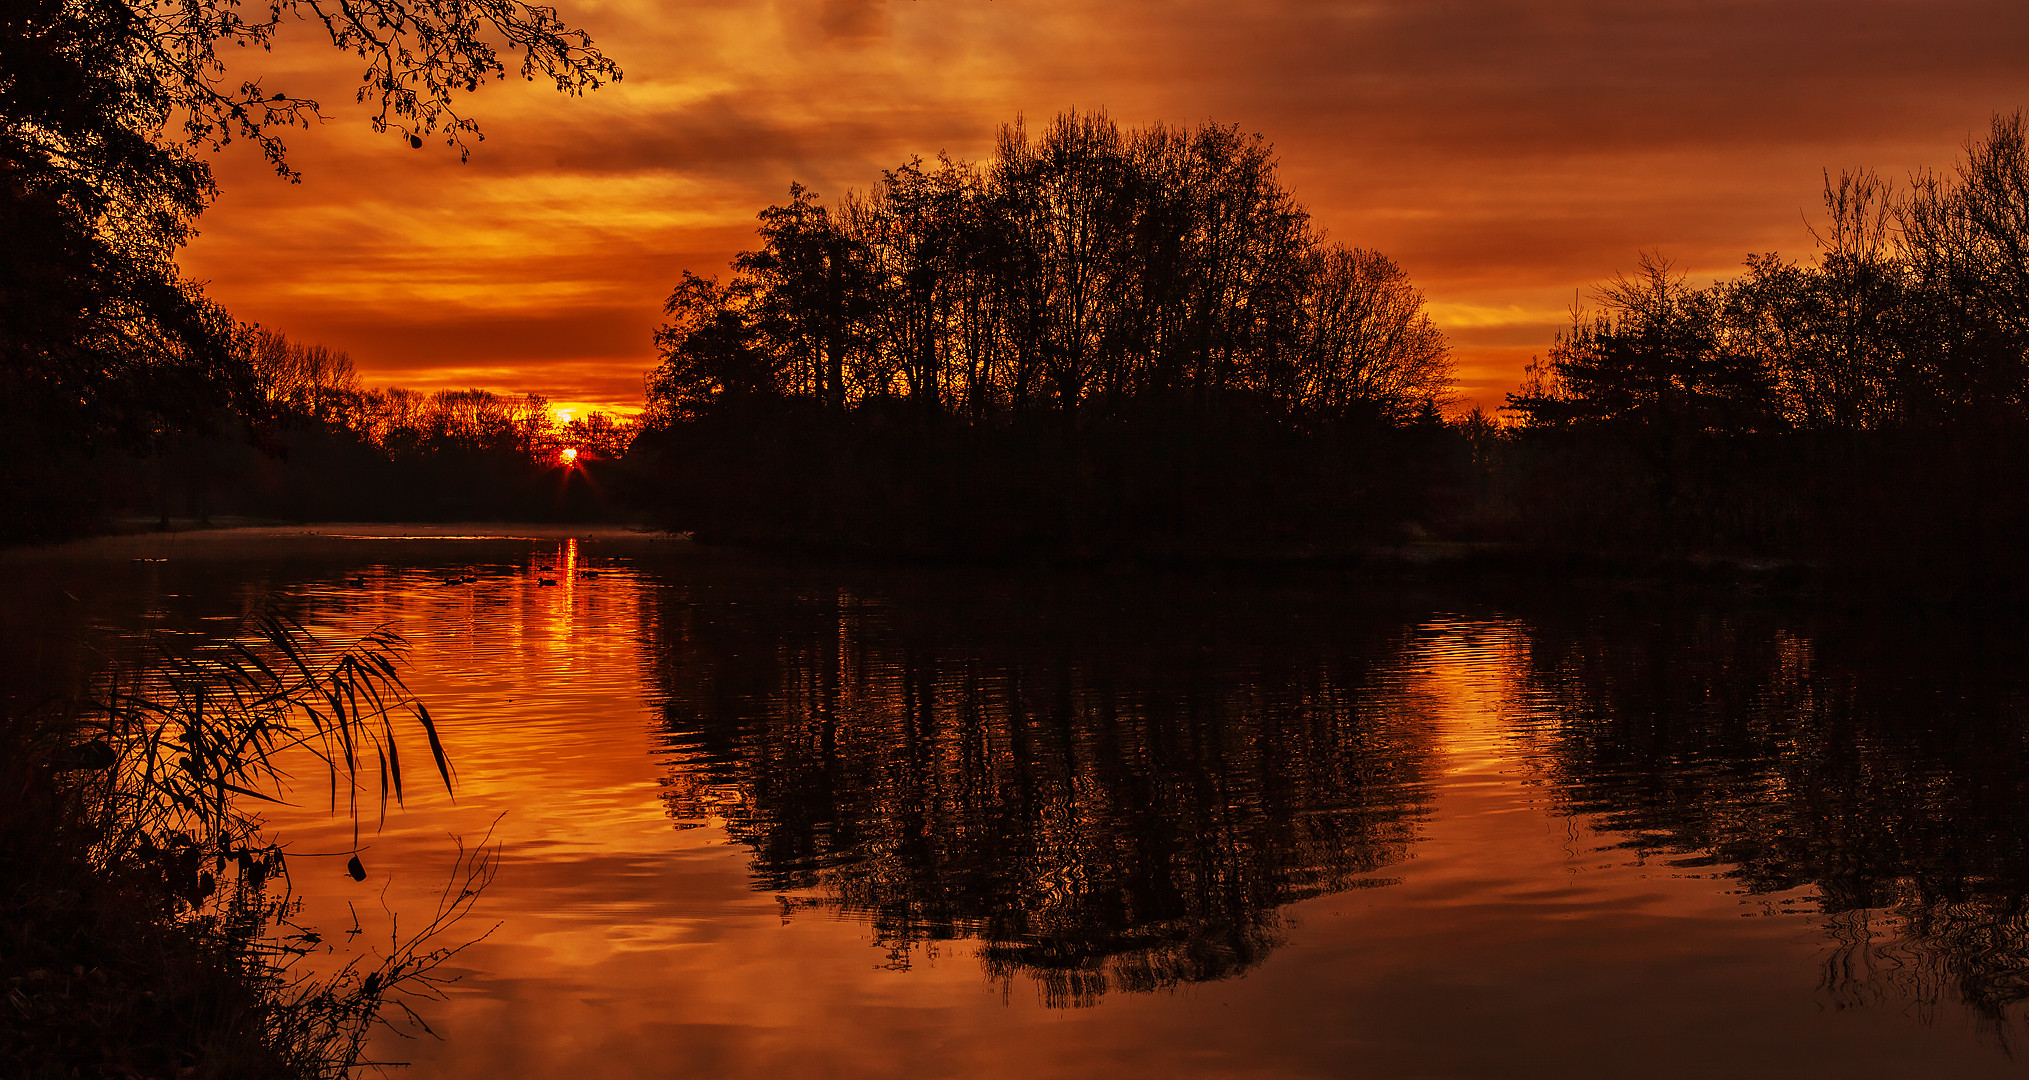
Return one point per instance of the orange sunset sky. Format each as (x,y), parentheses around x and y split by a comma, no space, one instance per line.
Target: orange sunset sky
(1507,154)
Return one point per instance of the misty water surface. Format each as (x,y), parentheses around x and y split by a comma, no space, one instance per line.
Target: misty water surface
(763,817)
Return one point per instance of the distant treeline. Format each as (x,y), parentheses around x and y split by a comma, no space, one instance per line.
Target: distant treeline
(324,446)
(1087,340)
(298,437)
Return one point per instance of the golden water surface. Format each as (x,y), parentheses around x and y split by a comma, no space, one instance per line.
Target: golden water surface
(760,817)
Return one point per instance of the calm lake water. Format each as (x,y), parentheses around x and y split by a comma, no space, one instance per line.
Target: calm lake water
(762,817)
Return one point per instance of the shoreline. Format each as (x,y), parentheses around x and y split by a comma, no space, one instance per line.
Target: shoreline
(1424,561)
(228,539)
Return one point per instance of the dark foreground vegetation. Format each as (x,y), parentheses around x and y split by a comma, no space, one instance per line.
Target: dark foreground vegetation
(144,921)
(1105,343)
(139,908)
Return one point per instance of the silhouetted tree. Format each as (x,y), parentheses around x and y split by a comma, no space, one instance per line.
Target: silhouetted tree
(1835,333)
(1916,312)
(310,381)
(1658,358)
(710,353)
(1870,406)
(808,280)
(102,344)
(1093,333)
(1080,271)
(1966,237)
(597,434)
(1366,343)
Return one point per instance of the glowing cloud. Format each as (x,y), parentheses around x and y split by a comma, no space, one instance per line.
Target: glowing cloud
(1507,154)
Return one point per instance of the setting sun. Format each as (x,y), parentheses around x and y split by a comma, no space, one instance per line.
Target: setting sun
(568,455)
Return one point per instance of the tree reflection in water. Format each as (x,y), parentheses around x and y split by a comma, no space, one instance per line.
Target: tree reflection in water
(1115,792)
(1106,799)
(1880,761)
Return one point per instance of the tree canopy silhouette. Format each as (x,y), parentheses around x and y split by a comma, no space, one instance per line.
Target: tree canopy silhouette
(99,336)
(1869,406)
(1083,270)
(1097,334)
(104,105)
(1914,314)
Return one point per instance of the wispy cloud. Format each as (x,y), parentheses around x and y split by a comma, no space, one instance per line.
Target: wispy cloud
(1507,154)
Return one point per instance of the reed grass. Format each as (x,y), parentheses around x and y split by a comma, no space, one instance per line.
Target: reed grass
(144,917)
